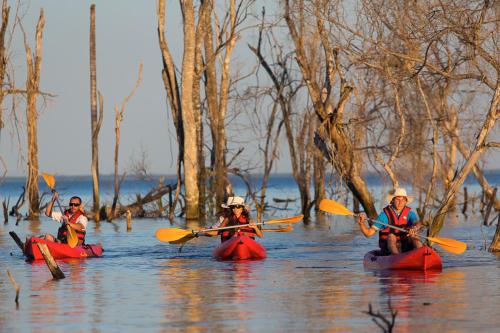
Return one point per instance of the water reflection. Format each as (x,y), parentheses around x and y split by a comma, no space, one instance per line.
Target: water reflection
(187,284)
(34,227)
(52,304)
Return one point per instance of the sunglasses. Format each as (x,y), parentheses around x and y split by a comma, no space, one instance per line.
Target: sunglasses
(74,204)
(237,206)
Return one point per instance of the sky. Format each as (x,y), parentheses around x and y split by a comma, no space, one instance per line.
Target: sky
(125,36)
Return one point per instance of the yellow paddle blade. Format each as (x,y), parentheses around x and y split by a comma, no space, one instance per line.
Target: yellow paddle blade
(183,239)
(333,207)
(171,234)
(292,219)
(72,238)
(49,179)
(288,228)
(450,245)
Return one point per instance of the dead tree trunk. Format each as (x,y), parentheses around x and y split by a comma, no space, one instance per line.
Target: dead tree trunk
(95,121)
(171,84)
(300,143)
(33,63)
(118,121)
(3,57)
(479,148)
(181,102)
(331,130)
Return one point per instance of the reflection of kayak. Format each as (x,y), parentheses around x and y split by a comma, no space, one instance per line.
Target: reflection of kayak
(61,251)
(421,259)
(239,247)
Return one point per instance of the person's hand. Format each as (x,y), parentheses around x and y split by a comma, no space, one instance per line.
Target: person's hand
(82,208)
(252,224)
(413,231)
(361,218)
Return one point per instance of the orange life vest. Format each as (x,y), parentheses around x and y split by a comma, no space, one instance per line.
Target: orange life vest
(246,231)
(62,232)
(401,221)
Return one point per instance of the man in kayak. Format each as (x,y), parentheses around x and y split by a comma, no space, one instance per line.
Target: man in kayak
(235,213)
(74,217)
(392,241)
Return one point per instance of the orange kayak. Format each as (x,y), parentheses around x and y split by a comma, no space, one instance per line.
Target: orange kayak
(421,259)
(61,251)
(239,247)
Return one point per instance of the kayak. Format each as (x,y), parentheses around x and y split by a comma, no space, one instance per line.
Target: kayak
(421,259)
(239,247)
(61,251)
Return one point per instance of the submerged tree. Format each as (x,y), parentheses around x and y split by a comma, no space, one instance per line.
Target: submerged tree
(95,117)
(33,63)
(328,88)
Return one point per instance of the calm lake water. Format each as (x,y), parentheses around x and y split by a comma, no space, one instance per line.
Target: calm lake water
(312,280)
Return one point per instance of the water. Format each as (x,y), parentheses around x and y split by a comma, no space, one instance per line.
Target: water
(312,280)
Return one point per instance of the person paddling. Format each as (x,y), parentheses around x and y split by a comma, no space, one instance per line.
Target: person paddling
(392,241)
(235,213)
(74,217)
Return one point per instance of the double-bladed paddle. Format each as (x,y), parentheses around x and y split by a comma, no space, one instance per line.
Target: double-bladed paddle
(175,235)
(72,238)
(450,245)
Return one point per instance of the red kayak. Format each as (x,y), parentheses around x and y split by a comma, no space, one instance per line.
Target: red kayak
(239,247)
(421,259)
(61,251)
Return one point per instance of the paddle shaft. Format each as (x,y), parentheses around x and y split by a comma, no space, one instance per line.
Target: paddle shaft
(386,224)
(230,227)
(392,226)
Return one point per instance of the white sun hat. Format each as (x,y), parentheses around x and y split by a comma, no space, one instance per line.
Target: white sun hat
(233,201)
(399,192)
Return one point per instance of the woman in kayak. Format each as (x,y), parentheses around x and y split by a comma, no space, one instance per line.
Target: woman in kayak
(235,213)
(392,241)
(74,217)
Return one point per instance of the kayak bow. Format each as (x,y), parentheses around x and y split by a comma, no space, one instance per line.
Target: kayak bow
(239,247)
(421,259)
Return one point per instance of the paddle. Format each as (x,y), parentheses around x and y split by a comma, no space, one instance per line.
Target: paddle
(288,228)
(450,245)
(72,238)
(175,235)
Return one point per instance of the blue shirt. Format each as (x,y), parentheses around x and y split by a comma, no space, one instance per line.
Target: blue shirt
(412,219)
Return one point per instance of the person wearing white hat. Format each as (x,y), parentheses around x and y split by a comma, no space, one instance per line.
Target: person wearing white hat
(236,213)
(392,241)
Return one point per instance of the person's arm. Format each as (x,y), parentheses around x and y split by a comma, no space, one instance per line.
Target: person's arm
(221,223)
(50,205)
(414,224)
(367,231)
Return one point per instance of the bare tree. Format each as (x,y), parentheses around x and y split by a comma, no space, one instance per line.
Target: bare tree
(95,117)
(118,120)
(306,26)
(181,103)
(3,57)
(33,63)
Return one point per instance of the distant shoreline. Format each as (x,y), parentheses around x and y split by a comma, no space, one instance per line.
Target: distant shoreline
(368,175)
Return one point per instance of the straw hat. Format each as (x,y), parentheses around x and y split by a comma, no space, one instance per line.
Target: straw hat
(399,192)
(233,201)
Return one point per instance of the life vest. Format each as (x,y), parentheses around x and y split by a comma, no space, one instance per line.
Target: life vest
(401,222)
(245,231)
(62,232)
